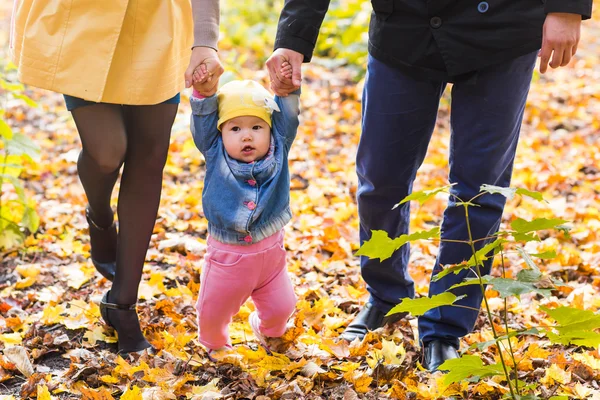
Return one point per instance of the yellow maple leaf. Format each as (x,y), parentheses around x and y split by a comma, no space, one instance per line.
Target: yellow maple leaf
(338,348)
(133,393)
(392,353)
(362,381)
(555,374)
(97,333)
(77,275)
(588,359)
(28,270)
(154,393)
(52,314)
(91,394)
(581,391)
(179,291)
(276,362)
(157,375)
(156,280)
(292,368)
(199,391)
(109,379)
(123,368)
(43,393)
(483,389)
(11,338)
(25,283)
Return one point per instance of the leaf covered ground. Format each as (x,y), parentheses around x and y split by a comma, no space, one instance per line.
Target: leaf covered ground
(53,343)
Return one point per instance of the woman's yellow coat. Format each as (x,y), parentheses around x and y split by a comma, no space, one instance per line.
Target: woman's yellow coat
(114,51)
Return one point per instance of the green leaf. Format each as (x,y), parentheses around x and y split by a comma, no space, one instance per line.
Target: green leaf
(31,220)
(559,398)
(423,195)
(481,257)
(507,192)
(22,145)
(581,338)
(455,269)
(10,167)
(5,130)
(572,319)
(522,226)
(10,235)
(482,254)
(30,102)
(421,235)
(510,287)
(423,304)
(467,366)
(527,258)
(17,185)
(547,255)
(526,237)
(379,246)
(529,275)
(470,281)
(534,195)
(566,230)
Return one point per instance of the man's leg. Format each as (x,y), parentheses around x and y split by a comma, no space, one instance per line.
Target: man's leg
(398,118)
(486,119)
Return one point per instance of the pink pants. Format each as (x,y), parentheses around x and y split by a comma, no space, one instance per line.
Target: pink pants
(231,275)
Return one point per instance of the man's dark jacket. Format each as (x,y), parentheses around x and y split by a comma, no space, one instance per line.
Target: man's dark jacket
(443,39)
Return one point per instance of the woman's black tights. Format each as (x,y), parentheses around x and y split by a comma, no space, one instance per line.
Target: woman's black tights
(137,138)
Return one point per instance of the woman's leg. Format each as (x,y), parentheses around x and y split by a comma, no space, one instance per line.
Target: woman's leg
(148,134)
(101,128)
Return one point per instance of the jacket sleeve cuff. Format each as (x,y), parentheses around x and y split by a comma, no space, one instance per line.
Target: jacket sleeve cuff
(581,7)
(204,105)
(206,35)
(296,43)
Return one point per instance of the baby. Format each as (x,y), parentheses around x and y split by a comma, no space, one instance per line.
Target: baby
(245,135)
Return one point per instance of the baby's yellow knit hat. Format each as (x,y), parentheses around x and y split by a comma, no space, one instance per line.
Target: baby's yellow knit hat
(241,98)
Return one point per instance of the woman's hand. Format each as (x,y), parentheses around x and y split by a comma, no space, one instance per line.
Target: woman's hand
(204,71)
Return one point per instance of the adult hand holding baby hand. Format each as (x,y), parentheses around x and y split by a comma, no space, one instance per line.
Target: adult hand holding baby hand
(204,71)
(282,84)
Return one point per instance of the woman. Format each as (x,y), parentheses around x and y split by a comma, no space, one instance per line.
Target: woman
(120,65)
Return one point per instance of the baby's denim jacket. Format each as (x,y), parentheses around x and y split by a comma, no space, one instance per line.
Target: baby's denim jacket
(245,203)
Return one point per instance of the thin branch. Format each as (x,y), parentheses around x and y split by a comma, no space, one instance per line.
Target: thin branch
(487,305)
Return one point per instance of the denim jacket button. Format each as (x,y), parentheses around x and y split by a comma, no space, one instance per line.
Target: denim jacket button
(251,182)
(251,205)
(248,239)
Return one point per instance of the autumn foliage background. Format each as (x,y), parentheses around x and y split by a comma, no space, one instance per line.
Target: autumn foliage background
(53,343)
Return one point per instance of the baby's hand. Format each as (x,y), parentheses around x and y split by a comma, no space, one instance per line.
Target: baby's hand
(200,74)
(286,71)
(205,78)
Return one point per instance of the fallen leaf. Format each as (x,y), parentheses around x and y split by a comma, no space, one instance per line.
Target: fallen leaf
(20,358)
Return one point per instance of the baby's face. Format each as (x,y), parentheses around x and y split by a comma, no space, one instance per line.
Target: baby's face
(246,138)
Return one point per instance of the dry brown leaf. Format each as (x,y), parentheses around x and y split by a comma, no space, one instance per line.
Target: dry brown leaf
(20,358)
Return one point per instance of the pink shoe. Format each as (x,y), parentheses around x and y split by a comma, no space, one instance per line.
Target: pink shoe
(255,325)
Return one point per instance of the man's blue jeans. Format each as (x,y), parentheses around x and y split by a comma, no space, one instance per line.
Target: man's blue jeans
(399,115)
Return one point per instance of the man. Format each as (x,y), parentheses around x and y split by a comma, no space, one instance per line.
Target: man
(488,50)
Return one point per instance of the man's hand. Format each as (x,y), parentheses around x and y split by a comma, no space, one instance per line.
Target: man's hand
(204,71)
(282,85)
(560,39)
